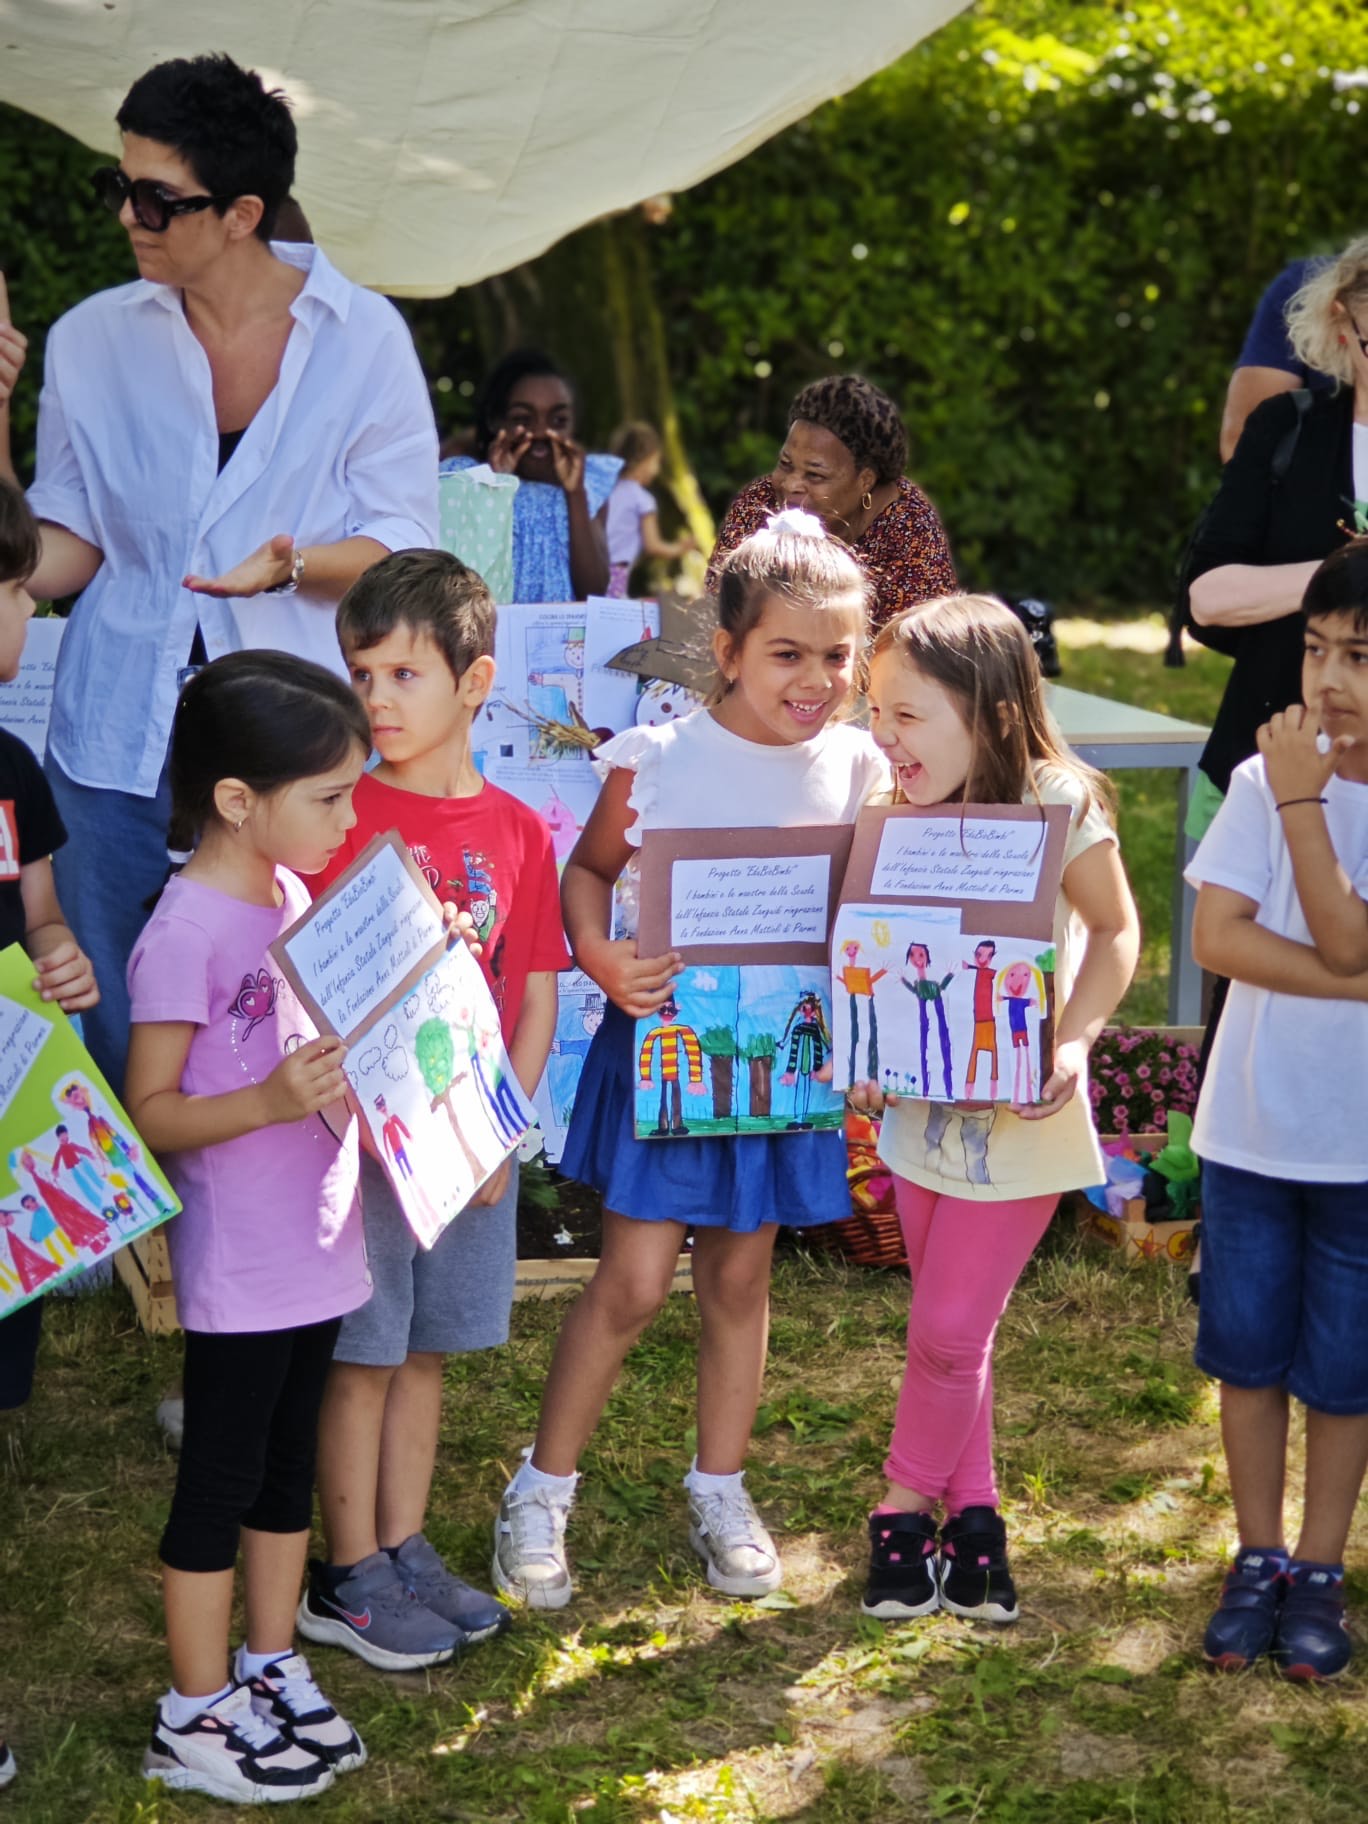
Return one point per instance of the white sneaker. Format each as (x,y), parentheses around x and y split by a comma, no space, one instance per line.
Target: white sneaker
(731,1539)
(529,1547)
(8,1765)
(230,1752)
(286,1695)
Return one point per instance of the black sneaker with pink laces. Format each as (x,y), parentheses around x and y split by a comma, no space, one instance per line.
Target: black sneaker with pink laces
(902,1567)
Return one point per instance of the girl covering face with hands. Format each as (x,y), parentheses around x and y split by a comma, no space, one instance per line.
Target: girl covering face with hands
(957,707)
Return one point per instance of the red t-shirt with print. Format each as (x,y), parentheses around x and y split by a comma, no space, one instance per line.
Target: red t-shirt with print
(492,856)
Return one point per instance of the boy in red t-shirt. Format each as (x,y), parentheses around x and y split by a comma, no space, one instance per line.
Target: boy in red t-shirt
(417,631)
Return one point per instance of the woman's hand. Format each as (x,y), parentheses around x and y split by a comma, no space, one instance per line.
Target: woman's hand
(867,1098)
(636,984)
(267,568)
(1070,1061)
(1290,746)
(306,1081)
(13,348)
(67,976)
(492,1189)
(508,449)
(567,458)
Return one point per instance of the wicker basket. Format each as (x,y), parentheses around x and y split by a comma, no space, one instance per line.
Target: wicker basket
(871,1235)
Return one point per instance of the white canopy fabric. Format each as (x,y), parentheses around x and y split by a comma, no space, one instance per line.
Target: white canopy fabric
(445,140)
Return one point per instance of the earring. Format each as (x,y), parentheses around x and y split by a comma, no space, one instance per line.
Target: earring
(1343,341)
(237,827)
(867,500)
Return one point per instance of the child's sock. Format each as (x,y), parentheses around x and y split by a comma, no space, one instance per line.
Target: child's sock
(252,1665)
(180,1711)
(529,1477)
(698,1482)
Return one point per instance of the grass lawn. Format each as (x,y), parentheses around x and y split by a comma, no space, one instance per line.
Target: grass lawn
(652,1700)
(1125,660)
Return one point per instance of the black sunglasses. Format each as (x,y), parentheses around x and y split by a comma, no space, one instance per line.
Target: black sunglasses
(153,207)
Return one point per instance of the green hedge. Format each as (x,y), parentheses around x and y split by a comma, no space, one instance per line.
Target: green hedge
(1046,246)
(1047,251)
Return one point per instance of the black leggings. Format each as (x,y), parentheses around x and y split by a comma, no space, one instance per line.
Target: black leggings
(251,1428)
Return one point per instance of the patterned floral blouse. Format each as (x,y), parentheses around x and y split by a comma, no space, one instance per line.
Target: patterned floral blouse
(904,552)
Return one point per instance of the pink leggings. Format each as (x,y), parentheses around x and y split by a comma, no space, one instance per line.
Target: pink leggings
(964,1259)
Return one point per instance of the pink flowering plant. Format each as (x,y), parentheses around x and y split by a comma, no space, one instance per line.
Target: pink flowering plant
(1136,1077)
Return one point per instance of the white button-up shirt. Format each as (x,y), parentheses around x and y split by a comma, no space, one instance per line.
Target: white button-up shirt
(344,446)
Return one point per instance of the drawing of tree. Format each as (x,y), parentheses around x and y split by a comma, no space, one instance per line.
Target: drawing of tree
(1045,962)
(759,1054)
(718,1045)
(436,1055)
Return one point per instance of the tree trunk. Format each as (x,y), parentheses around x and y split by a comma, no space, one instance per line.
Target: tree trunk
(761,1073)
(590,301)
(723,1086)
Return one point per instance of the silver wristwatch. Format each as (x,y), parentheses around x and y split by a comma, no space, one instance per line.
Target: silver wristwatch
(293,580)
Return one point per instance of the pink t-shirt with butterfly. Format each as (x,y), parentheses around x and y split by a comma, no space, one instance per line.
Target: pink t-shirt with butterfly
(270,1237)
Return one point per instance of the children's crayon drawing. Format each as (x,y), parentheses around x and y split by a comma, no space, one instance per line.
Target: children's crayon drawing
(437,1091)
(738,1049)
(76,1182)
(425,1059)
(926,1009)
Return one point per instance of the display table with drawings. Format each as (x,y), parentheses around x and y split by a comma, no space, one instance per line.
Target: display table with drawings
(1116,737)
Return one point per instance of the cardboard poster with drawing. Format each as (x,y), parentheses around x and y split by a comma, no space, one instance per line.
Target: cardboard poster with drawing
(425,1058)
(942,951)
(76,1181)
(744,1045)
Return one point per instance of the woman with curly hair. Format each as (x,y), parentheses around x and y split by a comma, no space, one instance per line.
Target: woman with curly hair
(843,460)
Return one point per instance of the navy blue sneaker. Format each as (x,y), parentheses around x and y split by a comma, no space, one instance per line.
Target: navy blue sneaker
(902,1567)
(1246,1618)
(426,1578)
(1312,1640)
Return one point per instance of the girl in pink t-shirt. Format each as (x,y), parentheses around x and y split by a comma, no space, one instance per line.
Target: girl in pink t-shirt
(228,1077)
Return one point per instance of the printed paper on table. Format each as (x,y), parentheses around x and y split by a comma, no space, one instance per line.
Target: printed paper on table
(425,1059)
(76,1181)
(942,952)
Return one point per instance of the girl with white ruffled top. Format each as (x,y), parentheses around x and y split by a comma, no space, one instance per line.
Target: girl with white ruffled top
(767,751)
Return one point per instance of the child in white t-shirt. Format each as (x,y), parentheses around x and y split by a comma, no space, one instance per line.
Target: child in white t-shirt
(1280,910)
(633,522)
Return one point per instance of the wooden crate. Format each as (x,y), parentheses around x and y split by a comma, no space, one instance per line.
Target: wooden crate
(548,1278)
(145,1268)
(1139,1240)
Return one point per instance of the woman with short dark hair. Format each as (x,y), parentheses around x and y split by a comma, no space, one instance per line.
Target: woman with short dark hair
(843,460)
(223,447)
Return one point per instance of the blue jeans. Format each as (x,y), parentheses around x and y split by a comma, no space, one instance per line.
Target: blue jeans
(1285,1287)
(114,861)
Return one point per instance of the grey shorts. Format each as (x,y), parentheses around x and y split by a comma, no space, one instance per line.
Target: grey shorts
(443,1300)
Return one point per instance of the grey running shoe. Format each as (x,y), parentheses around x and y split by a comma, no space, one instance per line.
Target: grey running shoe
(230,1752)
(731,1539)
(529,1548)
(286,1695)
(371,1614)
(427,1579)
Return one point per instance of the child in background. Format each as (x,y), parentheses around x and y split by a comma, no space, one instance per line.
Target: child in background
(956,704)
(226,1074)
(525,426)
(1281,877)
(30,829)
(633,518)
(417,631)
(767,751)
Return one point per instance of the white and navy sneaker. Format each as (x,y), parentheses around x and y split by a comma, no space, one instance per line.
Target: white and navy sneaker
(732,1540)
(286,1695)
(8,1765)
(230,1752)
